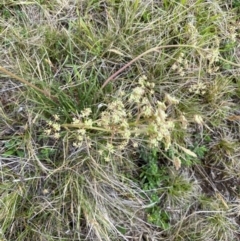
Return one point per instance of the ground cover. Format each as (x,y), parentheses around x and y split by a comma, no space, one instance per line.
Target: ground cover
(120,120)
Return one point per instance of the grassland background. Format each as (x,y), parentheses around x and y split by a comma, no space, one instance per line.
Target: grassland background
(120,120)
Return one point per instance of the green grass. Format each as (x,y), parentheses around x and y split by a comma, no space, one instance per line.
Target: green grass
(119,120)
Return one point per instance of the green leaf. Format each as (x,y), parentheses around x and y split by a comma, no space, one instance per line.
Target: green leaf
(8,153)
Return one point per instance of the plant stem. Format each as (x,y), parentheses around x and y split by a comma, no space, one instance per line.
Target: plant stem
(45,93)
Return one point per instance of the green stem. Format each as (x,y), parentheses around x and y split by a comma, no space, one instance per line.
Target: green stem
(83,126)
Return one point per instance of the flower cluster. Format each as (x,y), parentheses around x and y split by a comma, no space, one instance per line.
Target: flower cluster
(132,117)
(148,115)
(180,65)
(158,130)
(192,32)
(233,33)
(199,88)
(212,56)
(53,128)
(82,122)
(115,120)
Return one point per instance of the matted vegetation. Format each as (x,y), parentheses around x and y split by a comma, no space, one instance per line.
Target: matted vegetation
(120,120)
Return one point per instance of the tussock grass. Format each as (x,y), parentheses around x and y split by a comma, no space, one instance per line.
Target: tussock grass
(119,120)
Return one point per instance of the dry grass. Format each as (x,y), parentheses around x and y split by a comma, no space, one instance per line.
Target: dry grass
(119,120)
